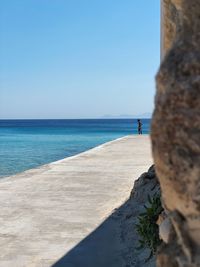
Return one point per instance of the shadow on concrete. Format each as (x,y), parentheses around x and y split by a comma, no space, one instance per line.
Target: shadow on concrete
(101,248)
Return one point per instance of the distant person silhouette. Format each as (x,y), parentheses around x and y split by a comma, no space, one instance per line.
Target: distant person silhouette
(139,126)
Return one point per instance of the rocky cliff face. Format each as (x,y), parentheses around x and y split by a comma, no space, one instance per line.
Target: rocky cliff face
(176,132)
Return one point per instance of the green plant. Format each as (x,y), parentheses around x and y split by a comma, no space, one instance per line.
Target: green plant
(147,227)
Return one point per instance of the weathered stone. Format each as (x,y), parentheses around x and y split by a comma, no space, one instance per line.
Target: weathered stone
(131,210)
(165,257)
(161,217)
(141,181)
(170,23)
(151,174)
(176,130)
(165,229)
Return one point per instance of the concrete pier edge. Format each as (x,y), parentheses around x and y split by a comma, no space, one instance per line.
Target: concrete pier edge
(63,208)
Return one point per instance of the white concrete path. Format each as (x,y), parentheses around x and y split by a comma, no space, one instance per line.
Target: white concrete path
(53,211)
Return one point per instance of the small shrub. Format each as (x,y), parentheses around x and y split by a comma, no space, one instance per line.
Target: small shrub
(147,227)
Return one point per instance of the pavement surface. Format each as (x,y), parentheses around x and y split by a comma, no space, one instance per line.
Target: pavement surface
(60,214)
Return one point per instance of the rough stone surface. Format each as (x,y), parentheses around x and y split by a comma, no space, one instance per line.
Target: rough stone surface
(176,134)
(165,230)
(170,23)
(146,184)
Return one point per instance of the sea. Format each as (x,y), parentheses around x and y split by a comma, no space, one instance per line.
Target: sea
(26,144)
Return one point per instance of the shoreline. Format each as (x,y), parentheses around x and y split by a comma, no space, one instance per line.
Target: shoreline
(65,158)
(56,161)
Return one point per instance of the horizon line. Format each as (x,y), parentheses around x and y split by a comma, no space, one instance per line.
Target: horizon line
(114,118)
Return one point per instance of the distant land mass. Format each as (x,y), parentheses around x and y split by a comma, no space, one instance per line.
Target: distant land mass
(146,115)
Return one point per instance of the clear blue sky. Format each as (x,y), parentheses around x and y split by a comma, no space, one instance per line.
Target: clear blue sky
(78,58)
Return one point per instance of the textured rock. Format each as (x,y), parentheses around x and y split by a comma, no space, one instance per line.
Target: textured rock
(170,23)
(165,230)
(146,184)
(140,191)
(176,131)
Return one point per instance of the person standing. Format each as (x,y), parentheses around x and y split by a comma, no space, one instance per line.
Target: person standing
(139,126)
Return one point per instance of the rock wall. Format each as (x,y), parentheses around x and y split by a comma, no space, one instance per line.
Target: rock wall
(170,23)
(176,132)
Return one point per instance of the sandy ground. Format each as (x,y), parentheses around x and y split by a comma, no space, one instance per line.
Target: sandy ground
(60,214)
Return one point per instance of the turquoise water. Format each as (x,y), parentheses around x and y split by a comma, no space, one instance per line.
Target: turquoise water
(26,144)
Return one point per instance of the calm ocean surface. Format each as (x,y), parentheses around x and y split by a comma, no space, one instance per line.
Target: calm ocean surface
(26,144)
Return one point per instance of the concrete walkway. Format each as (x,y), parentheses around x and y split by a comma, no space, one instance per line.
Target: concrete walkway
(59,214)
